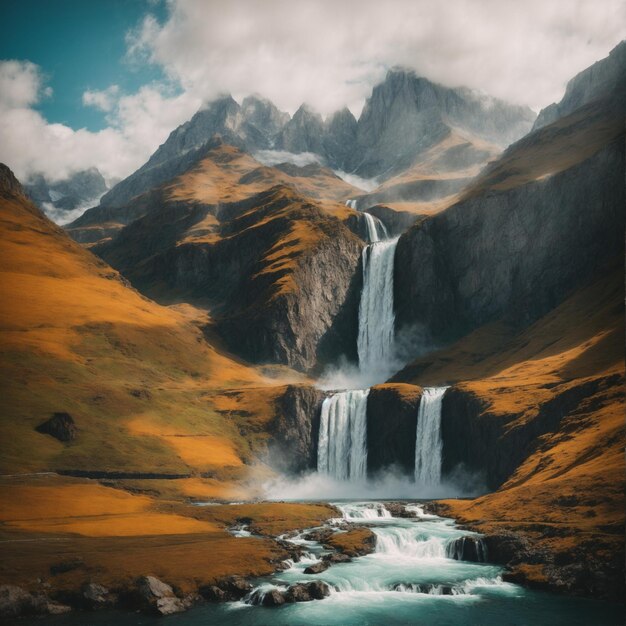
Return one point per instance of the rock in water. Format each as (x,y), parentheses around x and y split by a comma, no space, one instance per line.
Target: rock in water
(317,568)
(158,596)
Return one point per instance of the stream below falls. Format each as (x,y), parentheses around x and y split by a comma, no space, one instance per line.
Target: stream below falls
(412,577)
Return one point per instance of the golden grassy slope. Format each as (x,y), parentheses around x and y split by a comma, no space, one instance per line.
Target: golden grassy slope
(132,374)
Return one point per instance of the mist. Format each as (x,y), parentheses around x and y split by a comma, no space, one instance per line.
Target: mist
(387,485)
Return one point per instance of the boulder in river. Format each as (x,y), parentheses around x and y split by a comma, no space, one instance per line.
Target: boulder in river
(158,596)
(317,568)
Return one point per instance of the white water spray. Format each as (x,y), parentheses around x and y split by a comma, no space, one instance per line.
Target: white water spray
(376,230)
(342,444)
(376,316)
(428,444)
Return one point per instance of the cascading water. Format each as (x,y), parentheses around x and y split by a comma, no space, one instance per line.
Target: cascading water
(428,443)
(376,316)
(376,230)
(342,444)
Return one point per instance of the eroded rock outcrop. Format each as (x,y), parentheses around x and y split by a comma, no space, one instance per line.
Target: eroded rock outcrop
(61,426)
(391,427)
(294,429)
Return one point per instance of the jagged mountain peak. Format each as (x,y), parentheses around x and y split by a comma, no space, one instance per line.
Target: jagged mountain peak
(306,111)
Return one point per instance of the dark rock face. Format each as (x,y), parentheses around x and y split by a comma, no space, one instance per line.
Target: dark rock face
(391,427)
(483,441)
(602,79)
(308,324)
(294,429)
(396,222)
(311,326)
(468,548)
(9,185)
(517,252)
(61,426)
(340,138)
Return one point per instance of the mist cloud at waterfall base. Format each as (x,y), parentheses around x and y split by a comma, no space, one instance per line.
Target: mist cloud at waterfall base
(386,486)
(411,342)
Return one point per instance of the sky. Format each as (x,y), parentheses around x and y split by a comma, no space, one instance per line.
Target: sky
(103,82)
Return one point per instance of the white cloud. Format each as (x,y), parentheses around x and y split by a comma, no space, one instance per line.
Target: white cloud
(330,53)
(326,53)
(20,84)
(138,124)
(104,99)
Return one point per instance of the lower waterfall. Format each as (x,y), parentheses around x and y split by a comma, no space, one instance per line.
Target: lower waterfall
(342,443)
(428,444)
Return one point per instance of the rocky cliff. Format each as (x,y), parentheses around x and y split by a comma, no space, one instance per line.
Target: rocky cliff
(391,425)
(280,272)
(294,430)
(81,188)
(604,79)
(541,221)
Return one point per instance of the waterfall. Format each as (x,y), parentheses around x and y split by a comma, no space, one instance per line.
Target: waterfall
(376,230)
(409,542)
(364,511)
(428,437)
(342,444)
(376,317)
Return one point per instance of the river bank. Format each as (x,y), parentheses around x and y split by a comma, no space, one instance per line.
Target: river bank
(408,567)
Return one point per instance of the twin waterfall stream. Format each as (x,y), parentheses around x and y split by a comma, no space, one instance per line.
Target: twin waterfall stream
(342,442)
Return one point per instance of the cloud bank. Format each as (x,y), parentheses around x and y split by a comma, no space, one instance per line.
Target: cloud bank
(138,123)
(326,53)
(329,54)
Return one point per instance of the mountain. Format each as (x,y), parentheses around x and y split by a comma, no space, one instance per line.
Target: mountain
(55,197)
(602,80)
(405,116)
(304,132)
(253,126)
(267,248)
(408,114)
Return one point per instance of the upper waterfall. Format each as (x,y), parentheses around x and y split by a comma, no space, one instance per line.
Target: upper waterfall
(376,230)
(428,444)
(376,316)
